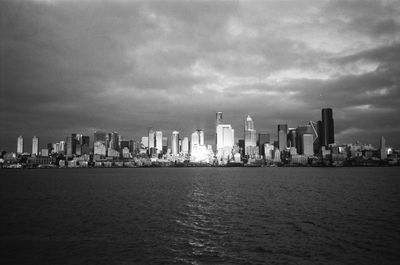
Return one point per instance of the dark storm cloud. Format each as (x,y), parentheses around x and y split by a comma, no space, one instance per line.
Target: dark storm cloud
(78,66)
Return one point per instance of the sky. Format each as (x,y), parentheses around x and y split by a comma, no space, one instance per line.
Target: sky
(81,66)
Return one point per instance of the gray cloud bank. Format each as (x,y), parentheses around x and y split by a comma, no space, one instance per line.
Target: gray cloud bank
(78,66)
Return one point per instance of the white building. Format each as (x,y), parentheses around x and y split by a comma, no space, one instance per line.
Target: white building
(175,143)
(20,145)
(159,141)
(35,145)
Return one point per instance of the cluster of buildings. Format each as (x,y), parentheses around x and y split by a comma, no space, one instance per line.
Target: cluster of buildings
(309,144)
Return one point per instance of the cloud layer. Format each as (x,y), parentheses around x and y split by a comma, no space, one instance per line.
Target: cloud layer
(78,66)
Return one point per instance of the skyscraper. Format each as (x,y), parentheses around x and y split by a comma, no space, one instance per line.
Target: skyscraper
(327,132)
(20,145)
(250,136)
(282,136)
(218,121)
(225,136)
(100,143)
(35,145)
(301,131)
(175,143)
(158,141)
(185,146)
(263,138)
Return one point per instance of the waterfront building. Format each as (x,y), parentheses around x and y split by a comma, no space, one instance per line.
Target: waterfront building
(144,143)
(250,136)
(282,136)
(327,132)
(175,143)
(35,145)
(20,145)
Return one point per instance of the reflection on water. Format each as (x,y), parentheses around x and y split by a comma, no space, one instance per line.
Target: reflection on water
(201,216)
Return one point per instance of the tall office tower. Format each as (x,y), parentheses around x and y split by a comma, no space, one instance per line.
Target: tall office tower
(74,142)
(114,141)
(327,132)
(218,121)
(69,146)
(20,145)
(165,145)
(250,136)
(175,143)
(316,131)
(158,141)
(307,144)
(263,138)
(194,141)
(292,137)
(382,149)
(300,131)
(201,136)
(225,136)
(85,140)
(185,146)
(282,136)
(35,145)
(100,143)
(151,138)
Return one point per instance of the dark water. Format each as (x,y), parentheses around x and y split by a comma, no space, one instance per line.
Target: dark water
(200,216)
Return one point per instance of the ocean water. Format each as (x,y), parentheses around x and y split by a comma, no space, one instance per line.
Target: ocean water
(200,216)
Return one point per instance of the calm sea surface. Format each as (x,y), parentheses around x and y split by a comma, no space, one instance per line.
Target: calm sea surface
(200,216)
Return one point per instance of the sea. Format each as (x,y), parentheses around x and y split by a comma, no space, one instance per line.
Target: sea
(200,216)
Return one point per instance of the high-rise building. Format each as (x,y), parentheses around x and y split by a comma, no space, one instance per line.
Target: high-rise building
(158,142)
(301,131)
(225,136)
(307,144)
(35,145)
(144,142)
(263,138)
(175,143)
(69,144)
(194,141)
(151,138)
(382,149)
(250,136)
(185,146)
(20,145)
(201,136)
(99,136)
(114,141)
(100,143)
(165,144)
(218,121)
(292,138)
(327,132)
(282,136)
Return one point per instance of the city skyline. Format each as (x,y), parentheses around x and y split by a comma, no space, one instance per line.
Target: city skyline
(83,66)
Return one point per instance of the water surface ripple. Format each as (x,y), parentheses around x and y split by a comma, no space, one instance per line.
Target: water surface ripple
(200,216)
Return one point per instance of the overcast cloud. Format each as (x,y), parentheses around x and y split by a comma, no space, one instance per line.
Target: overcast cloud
(79,66)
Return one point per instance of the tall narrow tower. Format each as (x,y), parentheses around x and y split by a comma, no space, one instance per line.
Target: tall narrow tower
(250,136)
(35,145)
(327,132)
(20,145)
